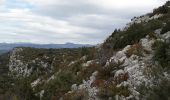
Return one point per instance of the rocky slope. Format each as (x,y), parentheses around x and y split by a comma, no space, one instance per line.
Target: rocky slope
(132,64)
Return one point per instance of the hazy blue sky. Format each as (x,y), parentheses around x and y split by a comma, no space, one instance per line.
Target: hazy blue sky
(60,21)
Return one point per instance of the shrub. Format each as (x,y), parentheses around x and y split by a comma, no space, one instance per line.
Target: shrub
(76,95)
(60,85)
(119,39)
(111,90)
(166,28)
(160,92)
(106,72)
(89,52)
(152,25)
(135,49)
(23,89)
(152,35)
(133,34)
(162,54)
(14,97)
(84,51)
(161,10)
(86,72)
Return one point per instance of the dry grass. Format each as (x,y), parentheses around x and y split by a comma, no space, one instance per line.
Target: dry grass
(76,95)
(135,49)
(110,90)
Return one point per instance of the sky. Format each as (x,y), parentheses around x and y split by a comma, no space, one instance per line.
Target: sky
(61,21)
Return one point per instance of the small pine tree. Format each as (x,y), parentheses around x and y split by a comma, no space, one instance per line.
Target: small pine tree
(166,28)
(162,54)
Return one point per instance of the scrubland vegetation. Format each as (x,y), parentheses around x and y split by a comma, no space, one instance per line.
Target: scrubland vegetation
(54,71)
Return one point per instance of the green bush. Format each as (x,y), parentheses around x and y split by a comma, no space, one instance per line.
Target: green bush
(119,39)
(152,25)
(132,35)
(60,85)
(89,52)
(106,72)
(166,28)
(161,10)
(162,54)
(160,92)
(23,90)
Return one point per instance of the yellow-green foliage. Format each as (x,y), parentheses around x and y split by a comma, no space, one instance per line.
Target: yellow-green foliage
(14,97)
(76,95)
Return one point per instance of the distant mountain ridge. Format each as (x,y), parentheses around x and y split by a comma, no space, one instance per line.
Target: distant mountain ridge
(9,46)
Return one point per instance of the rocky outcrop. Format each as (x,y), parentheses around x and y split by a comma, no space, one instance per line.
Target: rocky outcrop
(19,67)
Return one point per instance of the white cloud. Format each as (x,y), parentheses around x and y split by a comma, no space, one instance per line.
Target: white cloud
(43,3)
(124,4)
(60,21)
(2,1)
(103,4)
(29,24)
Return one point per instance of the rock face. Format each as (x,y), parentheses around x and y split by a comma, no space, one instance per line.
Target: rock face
(16,65)
(19,67)
(141,19)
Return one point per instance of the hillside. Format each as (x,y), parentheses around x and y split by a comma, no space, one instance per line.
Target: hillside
(133,63)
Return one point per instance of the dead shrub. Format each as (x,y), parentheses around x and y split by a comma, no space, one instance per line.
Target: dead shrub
(135,49)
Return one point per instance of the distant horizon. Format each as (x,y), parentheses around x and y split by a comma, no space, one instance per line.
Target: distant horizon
(10,46)
(43,43)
